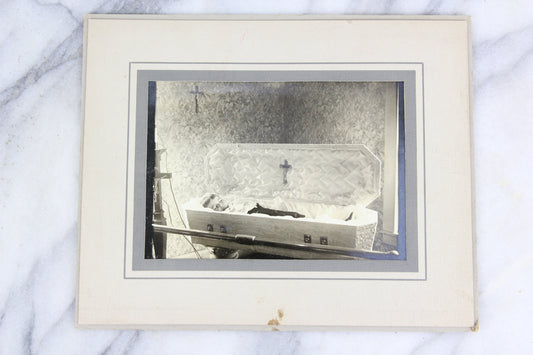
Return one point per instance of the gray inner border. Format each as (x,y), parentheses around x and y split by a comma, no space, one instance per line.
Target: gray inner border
(408,77)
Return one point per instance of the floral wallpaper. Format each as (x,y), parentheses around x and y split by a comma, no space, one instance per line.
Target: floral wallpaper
(188,124)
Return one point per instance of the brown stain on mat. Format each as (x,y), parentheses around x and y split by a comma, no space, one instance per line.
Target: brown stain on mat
(277,320)
(273,321)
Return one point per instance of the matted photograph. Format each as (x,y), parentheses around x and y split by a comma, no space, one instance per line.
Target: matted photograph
(256,157)
(275,170)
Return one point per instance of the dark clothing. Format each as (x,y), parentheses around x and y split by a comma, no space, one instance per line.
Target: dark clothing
(260,209)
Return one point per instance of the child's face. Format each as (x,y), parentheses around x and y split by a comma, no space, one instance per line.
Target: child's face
(217,204)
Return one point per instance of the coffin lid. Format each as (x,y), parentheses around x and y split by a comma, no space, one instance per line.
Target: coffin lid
(344,174)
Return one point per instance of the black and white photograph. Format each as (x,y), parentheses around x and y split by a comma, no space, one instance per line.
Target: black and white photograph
(260,161)
(275,170)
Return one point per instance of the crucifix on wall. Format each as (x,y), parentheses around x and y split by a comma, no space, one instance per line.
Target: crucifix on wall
(196,93)
(285,166)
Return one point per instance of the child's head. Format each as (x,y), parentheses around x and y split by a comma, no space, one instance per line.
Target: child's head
(214,202)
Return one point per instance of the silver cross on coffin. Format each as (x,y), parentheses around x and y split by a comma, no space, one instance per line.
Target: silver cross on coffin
(285,166)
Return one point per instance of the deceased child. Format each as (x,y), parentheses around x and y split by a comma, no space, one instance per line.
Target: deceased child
(216,203)
(277,207)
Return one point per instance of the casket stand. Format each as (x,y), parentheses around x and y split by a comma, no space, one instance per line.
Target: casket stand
(330,184)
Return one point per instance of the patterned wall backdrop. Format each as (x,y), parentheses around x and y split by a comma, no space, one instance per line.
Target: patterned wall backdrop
(193,116)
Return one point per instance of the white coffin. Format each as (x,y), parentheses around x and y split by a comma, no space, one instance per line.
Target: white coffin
(326,183)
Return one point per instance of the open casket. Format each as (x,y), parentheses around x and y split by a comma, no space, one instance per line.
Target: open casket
(331,185)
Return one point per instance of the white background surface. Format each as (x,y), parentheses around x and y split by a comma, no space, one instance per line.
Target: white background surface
(40,96)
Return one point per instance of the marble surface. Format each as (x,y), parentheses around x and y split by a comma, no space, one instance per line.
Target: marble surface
(40,90)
